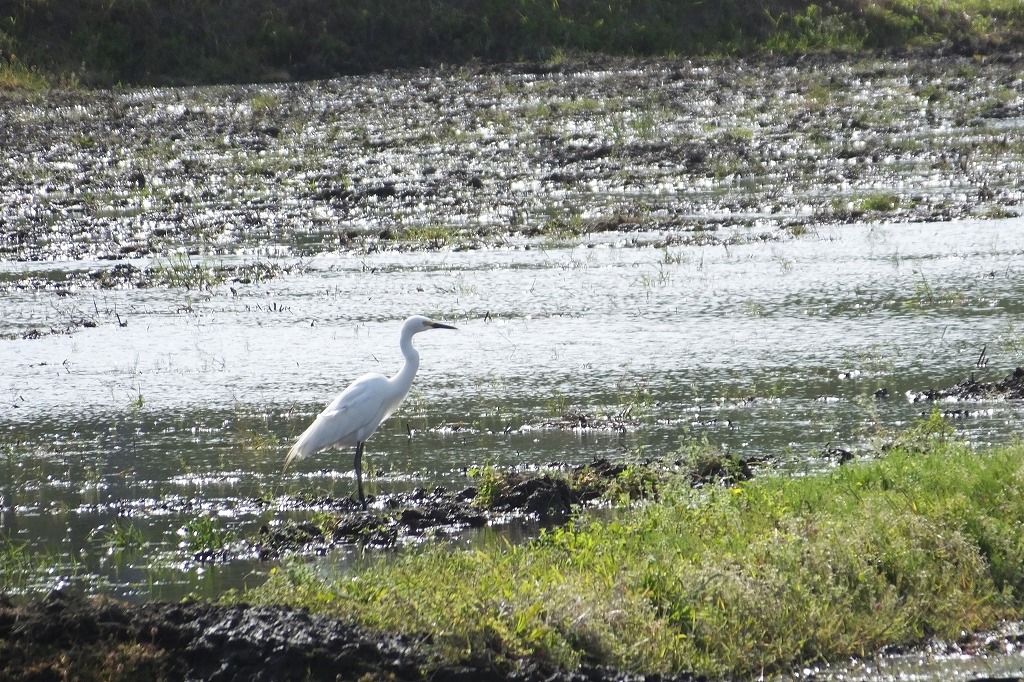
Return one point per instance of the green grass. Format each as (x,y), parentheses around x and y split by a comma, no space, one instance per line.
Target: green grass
(563,227)
(757,577)
(204,534)
(16,76)
(491,485)
(433,236)
(121,538)
(16,563)
(881,202)
(179,271)
(72,41)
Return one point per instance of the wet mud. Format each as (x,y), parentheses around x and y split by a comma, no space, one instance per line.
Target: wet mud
(1010,387)
(549,498)
(391,520)
(129,276)
(69,637)
(182,273)
(707,152)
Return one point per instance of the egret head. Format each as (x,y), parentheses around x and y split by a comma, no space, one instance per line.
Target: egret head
(419,323)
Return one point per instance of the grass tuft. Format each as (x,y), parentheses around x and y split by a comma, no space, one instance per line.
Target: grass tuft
(16,76)
(204,535)
(180,271)
(882,202)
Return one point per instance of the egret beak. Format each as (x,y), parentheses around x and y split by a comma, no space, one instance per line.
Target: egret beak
(441,325)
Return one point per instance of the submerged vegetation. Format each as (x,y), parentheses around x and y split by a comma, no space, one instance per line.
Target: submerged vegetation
(737,579)
(139,42)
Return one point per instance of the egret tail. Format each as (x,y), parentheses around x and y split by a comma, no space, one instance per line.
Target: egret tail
(293,454)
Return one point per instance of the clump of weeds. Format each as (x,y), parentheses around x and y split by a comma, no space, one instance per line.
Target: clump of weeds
(179,271)
(704,463)
(636,481)
(492,484)
(16,562)
(882,202)
(14,75)
(120,539)
(204,537)
(433,236)
(635,403)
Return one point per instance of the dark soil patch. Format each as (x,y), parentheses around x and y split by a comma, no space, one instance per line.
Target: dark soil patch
(68,637)
(549,497)
(403,515)
(127,276)
(1010,387)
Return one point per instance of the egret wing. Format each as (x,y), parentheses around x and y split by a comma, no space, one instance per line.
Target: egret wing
(348,419)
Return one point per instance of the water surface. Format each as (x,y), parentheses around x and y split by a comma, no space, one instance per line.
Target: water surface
(767,349)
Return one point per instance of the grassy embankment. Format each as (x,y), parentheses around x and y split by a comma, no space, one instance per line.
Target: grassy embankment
(106,42)
(758,577)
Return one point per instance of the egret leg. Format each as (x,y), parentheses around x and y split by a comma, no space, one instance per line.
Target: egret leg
(359,474)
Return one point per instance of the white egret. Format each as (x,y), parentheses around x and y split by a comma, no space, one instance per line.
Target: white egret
(352,417)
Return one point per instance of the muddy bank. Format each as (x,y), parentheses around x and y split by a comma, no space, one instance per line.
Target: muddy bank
(1010,387)
(498,497)
(69,637)
(180,272)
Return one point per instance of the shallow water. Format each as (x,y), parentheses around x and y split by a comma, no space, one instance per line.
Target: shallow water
(992,656)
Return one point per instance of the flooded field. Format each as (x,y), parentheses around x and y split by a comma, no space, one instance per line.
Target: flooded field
(768,350)
(782,259)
